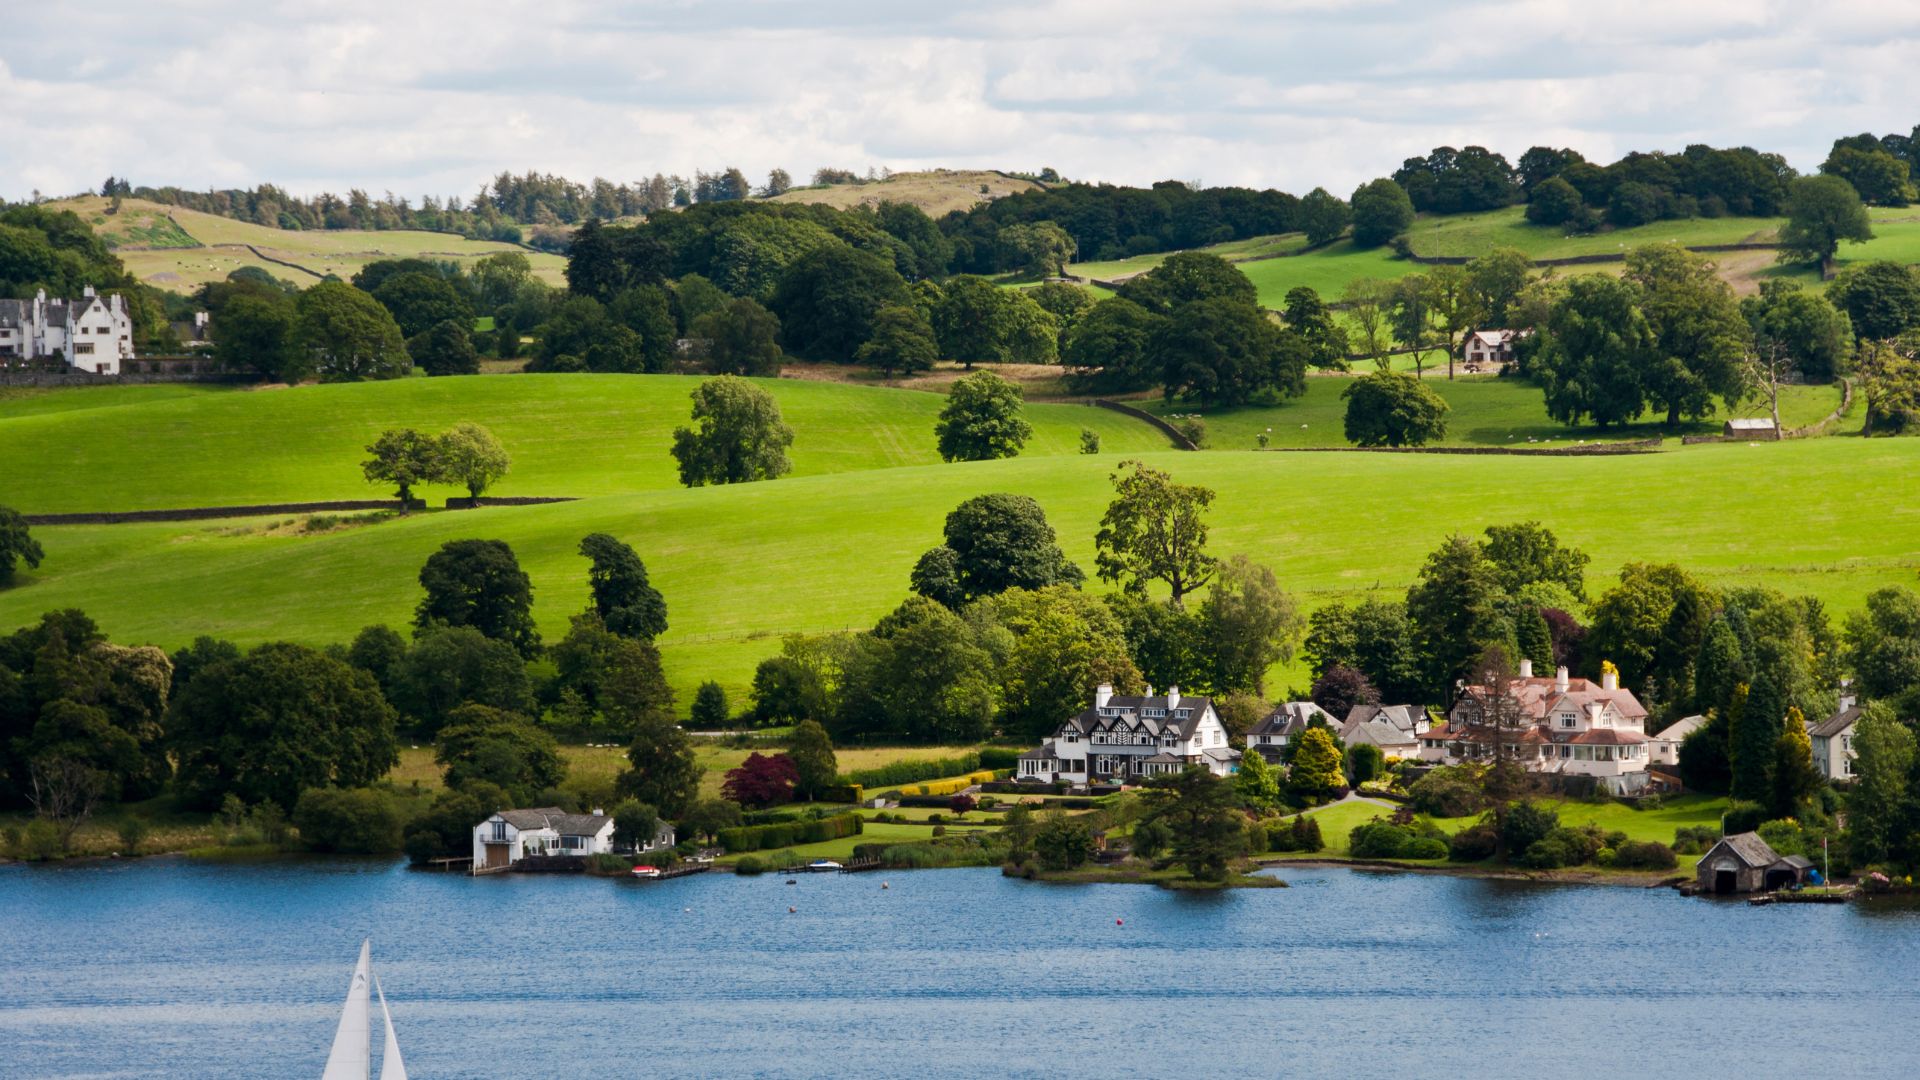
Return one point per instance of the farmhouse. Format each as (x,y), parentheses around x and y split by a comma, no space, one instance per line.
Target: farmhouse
(1489,347)
(511,835)
(1832,740)
(1130,739)
(1558,726)
(92,334)
(1284,724)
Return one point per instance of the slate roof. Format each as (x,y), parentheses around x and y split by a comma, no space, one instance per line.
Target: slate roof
(1405,717)
(561,822)
(1045,753)
(1132,712)
(1835,724)
(1378,733)
(1291,718)
(1681,728)
(1747,847)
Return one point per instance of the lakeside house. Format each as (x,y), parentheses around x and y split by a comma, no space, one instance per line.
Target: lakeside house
(511,835)
(1744,863)
(1832,739)
(1278,728)
(1664,749)
(1557,726)
(93,333)
(1127,739)
(1395,729)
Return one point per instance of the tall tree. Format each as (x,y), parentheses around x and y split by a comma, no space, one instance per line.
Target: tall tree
(741,435)
(982,419)
(479,583)
(1154,530)
(470,455)
(1456,608)
(1822,211)
(622,594)
(1203,814)
(1381,211)
(1593,353)
(741,338)
(902,341)
(17,544)
(1386,408)
(813,759)
(345,335)
(1250,624)
(1699,335)
(994,543)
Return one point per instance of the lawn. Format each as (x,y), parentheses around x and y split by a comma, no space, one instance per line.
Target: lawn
(841,849)
(1476,234)
(1486,411)
(164,446)
(744,564)
(194,248)
(1338,820)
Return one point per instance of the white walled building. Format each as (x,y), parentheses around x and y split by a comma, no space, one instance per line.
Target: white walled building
(93,333)
(512,835)
(1130,739)
(1832,739)
(1559,725)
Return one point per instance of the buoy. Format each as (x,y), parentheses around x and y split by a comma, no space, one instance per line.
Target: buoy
(1119,922)
(791,910)
(884,885)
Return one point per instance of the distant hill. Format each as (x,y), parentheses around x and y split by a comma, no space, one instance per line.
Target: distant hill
(937,192)
(178,250)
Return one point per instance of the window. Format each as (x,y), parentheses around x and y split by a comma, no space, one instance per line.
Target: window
(1566,751)
(1846,766)
(83,347)
(499,832)
(1566,719)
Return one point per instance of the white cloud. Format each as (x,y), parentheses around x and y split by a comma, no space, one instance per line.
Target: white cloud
(434,96)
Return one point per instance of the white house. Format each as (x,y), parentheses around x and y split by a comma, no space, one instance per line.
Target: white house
(1665,747)
(1377,730)
(1284,724)
(1489,346)
(93,333)
(1556,726)
(1131,739)
(1832,740)
(512,835)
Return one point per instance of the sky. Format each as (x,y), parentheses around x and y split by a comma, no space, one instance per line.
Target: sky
(434,96)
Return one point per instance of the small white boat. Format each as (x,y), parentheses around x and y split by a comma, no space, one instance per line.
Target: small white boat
(646,872)
(822,866)
(351,1057)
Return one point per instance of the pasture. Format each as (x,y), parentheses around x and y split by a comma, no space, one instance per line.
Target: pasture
(938,192)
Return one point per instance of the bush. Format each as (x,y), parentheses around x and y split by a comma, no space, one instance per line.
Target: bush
(133,833)
(41,841)
(1475,843)
(914,770)
(750,865)
(790,833)
(1450,791)
(1526,824)
(1743,816)
(843,793)
(1549,853)
(357,821)
(1301,833)
(1425,847)
(1694,839)
(999,757)
(1644,855)
(1379,840)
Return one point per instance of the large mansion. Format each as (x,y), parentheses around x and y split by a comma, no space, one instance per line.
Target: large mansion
(92,334)
(1557,725)
(1130,739)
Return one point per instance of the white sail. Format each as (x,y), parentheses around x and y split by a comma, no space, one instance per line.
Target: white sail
(391,1067)
(350,1057)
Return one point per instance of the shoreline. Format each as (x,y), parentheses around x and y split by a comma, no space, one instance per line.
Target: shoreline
(1551,877)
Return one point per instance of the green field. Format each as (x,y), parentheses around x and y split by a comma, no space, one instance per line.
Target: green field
(164,446)
(831,547)
(178,249)
(1487,411)
(1338,820)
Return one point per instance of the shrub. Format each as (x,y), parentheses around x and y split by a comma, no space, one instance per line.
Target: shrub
(1694,839)
(1605,856)
(1549,853)
(913,770)
(1526,824)
(41,841)
(1474,843)
(789,833)
(1192,426)
(608,864)
(1425,847)
(1743,816)
(358,821)
(1062,844)
(1644,855)
(749,865)
(1450,791)
(843,793)
(1364,762)
(1379,840)
(999,757)
(133,833)
(939,830)
(1299,833)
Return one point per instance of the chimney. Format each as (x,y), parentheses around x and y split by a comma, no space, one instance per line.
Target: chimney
(1149,689)
(87,291)
(597,812)
(1847,699)
(1526,669)
(1102,694)
(1609,680)
(1560,680)
(1173,697)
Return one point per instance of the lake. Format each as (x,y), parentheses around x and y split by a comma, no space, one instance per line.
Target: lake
(168,967)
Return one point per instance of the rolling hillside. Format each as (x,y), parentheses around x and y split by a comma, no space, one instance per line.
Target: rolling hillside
(938,191)
(177,249)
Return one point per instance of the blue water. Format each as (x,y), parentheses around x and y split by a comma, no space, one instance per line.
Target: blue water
(165,967)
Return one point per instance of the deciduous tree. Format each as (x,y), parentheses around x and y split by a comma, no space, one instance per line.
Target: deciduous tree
(1154,530)
(622,596)
(982,419)
(479,583)
(740,435)
(17,544)
(1386,408)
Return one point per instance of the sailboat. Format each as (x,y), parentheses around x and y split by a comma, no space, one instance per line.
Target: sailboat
(351,1058)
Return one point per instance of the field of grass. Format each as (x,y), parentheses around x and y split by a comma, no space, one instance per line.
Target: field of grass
(827,550)
(1476,234)
(164,446)
(1487,411)
(178,249)
(938,192)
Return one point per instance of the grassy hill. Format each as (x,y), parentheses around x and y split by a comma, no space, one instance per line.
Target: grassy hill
(938,191)
(741,565)
(179,249)
(1276,264)
(170,446)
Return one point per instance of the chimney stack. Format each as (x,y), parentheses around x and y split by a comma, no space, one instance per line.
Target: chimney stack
(1173,697)
(1560,680)
(1526,669)
(1102,694)
(1847,698)
(1609,680)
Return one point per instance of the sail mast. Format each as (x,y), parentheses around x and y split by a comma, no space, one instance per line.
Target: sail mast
(349,1059)
(391,1067)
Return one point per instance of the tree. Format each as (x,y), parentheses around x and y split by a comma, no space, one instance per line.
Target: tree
(1454,305)
(1341,689)
(1795,780)
(420,301)
(779,182)
(1187,277)
(662,770)
(17,544)
(1309,317)
(354,821)
(1389,409)
(1821,212)
(276,721)
(1381,211)
(811,752)
(1630,618)
(445,348)
(902,341)
(982,420)
(1047,647)
(344,334)
(1369,302)
(1699,335)
(1322,216)
(762,781)
(994,543)
(1882,299)
(622,596)
(471,457)
(1154,530)
(1249,624)
(1410,316)
(708,816)
(1041,249)
(1883,758)
(1222,352)
(1883,648)
(1255,783)
(479,583)
(1593,352)
(1755,736)
(1880,178)
(741,338)
(635,824)
(402,457)
(741,436)
(1018,830)
(1555,202)
(480,743)
(1200,810)
(1316,768)
(920,673)
(452,666)
(1456,608)
(255,332)
(1795,329)
(827,301)
(1526,553)
(1497,280)
(787,691)
(710,709)
(1061,843)
(1889,379)
(1107,349)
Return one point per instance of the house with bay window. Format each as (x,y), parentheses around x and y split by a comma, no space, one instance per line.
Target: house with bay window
(1128,740)
(1557,726)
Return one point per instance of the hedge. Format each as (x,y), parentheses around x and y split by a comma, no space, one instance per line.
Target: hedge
(846,793)
(949,787)
(912,771)
(788,834)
